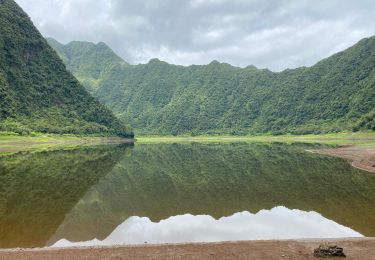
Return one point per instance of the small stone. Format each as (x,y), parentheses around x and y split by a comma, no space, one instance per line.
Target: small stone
(325,251)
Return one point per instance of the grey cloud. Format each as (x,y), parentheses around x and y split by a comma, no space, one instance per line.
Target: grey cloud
(275,34)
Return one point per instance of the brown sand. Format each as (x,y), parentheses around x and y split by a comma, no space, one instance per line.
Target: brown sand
(356,248)
(360,157)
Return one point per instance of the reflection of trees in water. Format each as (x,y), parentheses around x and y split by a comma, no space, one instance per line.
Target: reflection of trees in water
(37,190)
(159,181)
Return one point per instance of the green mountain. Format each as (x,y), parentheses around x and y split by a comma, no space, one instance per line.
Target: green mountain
(89,62)
(338,93)
(37,93)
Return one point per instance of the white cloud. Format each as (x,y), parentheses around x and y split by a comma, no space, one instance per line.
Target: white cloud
(277,223)
(273,34)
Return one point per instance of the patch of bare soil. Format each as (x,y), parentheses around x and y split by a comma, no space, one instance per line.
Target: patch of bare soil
(360,157)
(361,248)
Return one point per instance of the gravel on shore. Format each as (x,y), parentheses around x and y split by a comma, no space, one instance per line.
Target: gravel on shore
(354,248)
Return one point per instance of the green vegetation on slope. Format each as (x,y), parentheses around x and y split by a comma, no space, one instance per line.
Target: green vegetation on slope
(37,93)
(336,94)
(90,62)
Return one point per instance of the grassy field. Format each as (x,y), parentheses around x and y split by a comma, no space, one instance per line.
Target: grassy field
(361,139)
(10,143)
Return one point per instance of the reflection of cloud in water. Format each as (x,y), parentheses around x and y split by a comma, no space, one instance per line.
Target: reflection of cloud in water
(277,223)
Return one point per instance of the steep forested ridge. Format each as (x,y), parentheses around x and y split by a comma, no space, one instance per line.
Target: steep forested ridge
(89,61)
(338,93)
(37,93)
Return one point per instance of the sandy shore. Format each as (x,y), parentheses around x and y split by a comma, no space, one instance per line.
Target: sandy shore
(361,157)
(359,248)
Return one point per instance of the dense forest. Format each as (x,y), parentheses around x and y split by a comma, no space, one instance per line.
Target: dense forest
(37,93)
(338,93)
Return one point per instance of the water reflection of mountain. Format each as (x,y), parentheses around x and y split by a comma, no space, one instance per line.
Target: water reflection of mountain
(277,223)
(159,181)
(37,190)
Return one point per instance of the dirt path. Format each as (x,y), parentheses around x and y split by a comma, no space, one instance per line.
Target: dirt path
(360,157)
(361,248)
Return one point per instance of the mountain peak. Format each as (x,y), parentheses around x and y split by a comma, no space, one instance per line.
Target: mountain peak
(53,101)
(103,45)
(214,62)
(155,60)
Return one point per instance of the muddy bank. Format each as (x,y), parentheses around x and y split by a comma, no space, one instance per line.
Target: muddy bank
(360,157)
(361,248)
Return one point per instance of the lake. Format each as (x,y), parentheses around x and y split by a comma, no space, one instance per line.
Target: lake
(195,192)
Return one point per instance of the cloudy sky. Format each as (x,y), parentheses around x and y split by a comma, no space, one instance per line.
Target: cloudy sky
(274,34)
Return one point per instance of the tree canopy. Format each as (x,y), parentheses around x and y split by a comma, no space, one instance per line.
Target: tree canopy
(37,93)
(338,93)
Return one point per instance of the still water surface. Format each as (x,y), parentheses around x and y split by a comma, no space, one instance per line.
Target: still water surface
(181,193)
